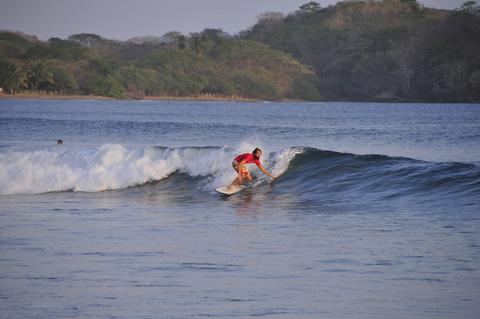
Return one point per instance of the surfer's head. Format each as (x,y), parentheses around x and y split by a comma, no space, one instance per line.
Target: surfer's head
(257,153)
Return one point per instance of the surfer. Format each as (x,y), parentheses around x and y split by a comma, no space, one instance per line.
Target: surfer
(238,165)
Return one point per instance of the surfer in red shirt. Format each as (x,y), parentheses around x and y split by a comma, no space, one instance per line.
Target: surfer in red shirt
(239,162)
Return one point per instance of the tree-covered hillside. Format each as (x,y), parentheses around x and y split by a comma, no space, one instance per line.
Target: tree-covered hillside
(364,50)
(210,63)
(374,50)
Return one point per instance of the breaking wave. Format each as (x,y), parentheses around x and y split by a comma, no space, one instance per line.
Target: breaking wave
(302,169)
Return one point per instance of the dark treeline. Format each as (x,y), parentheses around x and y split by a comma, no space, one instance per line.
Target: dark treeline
(354,50)
(382,50)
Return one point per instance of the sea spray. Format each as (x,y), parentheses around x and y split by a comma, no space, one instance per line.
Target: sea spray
(113,166)
(110,166)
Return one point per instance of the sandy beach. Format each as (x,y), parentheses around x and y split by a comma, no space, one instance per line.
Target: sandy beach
(37,96)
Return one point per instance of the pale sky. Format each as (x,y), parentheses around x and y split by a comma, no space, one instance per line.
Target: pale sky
(123,19)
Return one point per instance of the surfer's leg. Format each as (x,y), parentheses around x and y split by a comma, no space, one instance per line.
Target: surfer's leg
(242,176)
(238,180)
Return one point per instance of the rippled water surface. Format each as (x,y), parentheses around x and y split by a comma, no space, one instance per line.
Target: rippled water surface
(375,213)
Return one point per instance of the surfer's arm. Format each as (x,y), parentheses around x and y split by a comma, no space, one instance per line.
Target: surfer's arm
(265,171)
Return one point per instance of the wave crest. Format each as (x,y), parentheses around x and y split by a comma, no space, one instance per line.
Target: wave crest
(305,171)
(113,166)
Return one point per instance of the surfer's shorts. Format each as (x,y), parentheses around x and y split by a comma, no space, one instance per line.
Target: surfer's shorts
(235,167)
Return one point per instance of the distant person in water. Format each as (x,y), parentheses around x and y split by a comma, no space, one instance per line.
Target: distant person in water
(59,142)
(239,163)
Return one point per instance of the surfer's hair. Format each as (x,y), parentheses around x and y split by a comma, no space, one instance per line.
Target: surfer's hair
(256,150)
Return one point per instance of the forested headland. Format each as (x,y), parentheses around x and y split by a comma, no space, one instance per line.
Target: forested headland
(390,50)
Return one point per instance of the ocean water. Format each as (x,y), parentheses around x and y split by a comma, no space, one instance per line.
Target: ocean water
(376,213)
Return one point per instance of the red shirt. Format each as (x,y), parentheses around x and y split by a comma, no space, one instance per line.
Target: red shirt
(248,157)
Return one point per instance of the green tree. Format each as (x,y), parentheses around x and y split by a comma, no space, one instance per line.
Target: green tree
(311,6)
(472,7)
(96,84)
(12,76)
(63,81)
(13,45)
(303,88)
(171,37)
(182,42)
(86,39)
(66,50)
(39,76)
(250,85)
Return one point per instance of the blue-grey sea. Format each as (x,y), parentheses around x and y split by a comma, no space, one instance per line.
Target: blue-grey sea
(375,214)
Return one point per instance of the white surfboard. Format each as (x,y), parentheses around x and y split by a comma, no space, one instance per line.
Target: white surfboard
(231,191)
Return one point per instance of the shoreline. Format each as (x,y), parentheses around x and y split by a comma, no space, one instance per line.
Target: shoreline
(197,98)
(30,96)
(27,96)
(22,96)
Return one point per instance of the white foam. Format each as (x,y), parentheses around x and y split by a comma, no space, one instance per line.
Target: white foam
(113,166)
